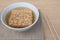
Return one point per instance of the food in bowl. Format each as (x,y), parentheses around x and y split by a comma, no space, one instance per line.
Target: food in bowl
(20,17)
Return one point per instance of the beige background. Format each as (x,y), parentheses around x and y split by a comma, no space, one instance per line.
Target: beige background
(50,12)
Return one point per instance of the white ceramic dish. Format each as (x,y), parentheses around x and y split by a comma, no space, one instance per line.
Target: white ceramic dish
(16,5)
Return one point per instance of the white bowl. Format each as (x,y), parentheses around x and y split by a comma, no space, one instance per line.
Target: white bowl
(16,5)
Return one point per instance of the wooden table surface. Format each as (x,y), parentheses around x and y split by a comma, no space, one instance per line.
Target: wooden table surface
(50,12)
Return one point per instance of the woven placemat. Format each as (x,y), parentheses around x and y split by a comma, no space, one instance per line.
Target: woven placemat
(35,33)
